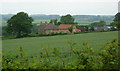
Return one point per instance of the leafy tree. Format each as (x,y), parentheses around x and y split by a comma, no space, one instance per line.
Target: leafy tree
(67,19)
(117,20)
(58,23)
(53,21)
(117,17)
(114,26)
(46,22)
(20,24)
(70,29)
(34,29)
(83,28)
(3,29)
(98,24)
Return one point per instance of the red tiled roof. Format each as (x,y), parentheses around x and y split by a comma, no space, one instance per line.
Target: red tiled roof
(64,26)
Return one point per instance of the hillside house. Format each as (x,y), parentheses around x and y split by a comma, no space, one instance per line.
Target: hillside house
(51,28)
(47,28)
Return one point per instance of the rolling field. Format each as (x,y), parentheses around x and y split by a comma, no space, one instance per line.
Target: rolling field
(80,22)
(32,45)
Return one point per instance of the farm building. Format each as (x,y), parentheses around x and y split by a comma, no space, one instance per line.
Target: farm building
(105,28)
(64,28)
(51,28)
(47,28)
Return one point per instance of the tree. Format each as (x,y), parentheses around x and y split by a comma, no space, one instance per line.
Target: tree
(98,24)
(53,21)
(114,26)
(34,29)
(117,17)
(67,19)
(70,29)
(83,28)
(46,22)
(117,20)
(20,24)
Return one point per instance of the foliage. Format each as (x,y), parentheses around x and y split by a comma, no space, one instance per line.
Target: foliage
(34,29)
(117,17)
(20,24)
(51,34)
(4,30)
(54,21)
(109,53)
(67,19)
(84,57)
(114,26)
(98,24)
(83,28)
(4,37)
(117,20)
(70,29)
(81,19)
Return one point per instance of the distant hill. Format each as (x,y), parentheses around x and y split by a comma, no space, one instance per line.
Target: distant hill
(81,19)
(5,17)
(94,17)
(45,16)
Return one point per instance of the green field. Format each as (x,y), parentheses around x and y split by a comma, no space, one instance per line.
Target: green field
(80,22)
(32,45)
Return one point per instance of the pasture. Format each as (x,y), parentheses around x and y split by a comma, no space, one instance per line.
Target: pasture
(33,45)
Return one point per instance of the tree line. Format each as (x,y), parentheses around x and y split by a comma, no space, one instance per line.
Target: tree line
(21,23)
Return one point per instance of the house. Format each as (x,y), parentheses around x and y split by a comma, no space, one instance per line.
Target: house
(47,28)
(64,28)
(51,28)
(104,28)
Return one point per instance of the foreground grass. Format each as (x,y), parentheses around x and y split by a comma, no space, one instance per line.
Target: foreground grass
(78,58)
(32,45)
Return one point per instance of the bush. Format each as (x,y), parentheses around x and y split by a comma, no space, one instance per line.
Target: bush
(8,37)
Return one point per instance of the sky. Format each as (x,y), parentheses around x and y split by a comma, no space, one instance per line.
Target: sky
(60,7)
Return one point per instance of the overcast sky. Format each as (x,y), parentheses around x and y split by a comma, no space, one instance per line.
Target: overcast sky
(62,7)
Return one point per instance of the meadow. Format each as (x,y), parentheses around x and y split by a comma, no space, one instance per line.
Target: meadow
(33,45)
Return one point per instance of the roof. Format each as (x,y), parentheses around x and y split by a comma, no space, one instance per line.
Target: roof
(48,26)
(51,27)
(64,26)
